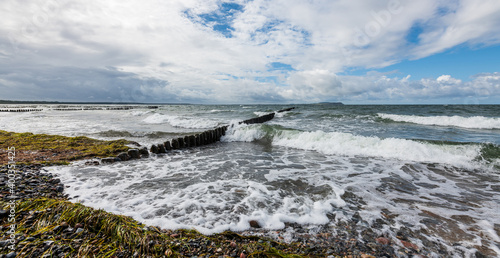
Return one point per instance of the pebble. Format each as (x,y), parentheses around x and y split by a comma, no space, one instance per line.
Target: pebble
(60,189)
(108,160)
(133,153)
(383,241)
(409,245)
(123,156)
(254,224)
(11,255)
(35,184)
(4,214)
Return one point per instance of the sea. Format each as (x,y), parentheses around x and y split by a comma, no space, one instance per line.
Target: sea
(429,174)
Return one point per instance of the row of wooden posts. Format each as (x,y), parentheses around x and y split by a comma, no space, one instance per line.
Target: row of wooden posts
(207,137)
(20,110)
(200,139)
(204,138)
(75,109)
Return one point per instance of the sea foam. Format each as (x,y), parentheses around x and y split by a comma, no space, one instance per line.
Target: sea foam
(178,121)
(347,144)
(473,122)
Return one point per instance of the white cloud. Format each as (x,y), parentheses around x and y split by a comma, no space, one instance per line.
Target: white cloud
(313,85)
(466,21)
(159,50)
(447,79)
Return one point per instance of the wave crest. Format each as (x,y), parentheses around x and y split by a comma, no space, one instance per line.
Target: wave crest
(347,144)
(474,122)
(183,122)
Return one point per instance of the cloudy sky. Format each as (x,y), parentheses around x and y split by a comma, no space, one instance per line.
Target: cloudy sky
(251,51)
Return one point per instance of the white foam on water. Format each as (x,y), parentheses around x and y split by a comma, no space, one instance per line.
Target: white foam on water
(349,144)
(213,191)
(258,113)
(336,143)
(474,122)
(140,112)
(219,110)
(162,192)
(69,123)
(181,121)
(243,133)
(276,114)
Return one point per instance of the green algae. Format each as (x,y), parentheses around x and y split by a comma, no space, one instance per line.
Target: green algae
(108,235)
(65,148)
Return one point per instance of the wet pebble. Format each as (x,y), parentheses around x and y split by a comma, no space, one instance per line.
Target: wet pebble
(34,184)
(383,241)
(11,255)
(254,224)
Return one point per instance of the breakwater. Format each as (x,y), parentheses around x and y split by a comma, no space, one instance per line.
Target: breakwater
(74,108)
(188,141)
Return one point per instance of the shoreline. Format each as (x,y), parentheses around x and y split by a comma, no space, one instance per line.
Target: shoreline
(47,222)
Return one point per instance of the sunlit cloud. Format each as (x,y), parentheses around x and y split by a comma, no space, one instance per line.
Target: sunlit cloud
(238,51)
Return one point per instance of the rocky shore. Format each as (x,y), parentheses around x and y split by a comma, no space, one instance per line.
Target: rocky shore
(47,225)
(38,220)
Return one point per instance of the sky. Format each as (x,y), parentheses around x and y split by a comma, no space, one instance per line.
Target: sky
(251,51)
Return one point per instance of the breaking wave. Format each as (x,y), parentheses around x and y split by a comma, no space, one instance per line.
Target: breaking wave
(347,144)
(183,122)
(474,122)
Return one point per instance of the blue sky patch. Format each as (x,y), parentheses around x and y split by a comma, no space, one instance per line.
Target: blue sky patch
(413,34)
(220,20)
(278,66)
(461,62)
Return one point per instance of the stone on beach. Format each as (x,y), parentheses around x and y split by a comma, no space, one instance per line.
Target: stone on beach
(144,152)
(11,255)
(123,156)
(133,153)
(383,241)
(4,214)
(108,160)
(409,245)
(254,224)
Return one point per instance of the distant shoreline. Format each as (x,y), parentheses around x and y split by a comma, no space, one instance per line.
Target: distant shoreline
(84,103)
(14,102)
